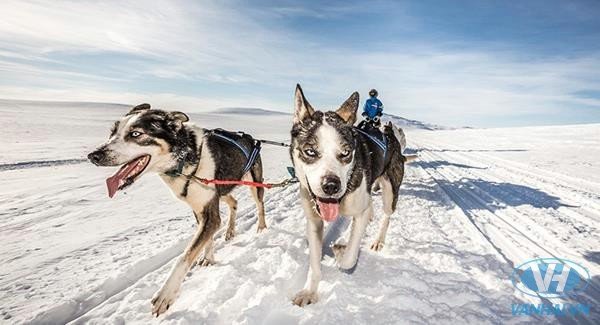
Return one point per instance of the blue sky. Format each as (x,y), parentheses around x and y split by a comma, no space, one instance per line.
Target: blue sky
(477,63)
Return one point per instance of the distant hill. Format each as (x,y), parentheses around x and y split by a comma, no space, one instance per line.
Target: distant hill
(64,104)
(247,111)
(412,124)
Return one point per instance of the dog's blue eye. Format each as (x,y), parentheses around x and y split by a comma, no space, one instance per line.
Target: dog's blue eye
(310,152)
(135,134)
(345,153)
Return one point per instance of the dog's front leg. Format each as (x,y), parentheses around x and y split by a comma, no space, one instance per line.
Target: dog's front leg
(208,224)
(347,256)
(314,233)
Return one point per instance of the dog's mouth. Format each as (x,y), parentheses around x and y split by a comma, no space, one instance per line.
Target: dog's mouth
(328,208)
(127,174)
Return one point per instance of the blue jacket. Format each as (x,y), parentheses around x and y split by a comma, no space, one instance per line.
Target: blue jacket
(373,107)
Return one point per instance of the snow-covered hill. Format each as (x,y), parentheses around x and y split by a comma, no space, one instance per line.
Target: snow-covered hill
(247,111)
(412,124)
(477,203)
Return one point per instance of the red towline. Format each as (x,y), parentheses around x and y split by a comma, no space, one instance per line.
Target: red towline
(242,182)
(234,182)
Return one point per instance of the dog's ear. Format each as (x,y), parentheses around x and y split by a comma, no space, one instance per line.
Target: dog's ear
(177,119)
(180,116)
(302,108)
(140,107)
(348,109)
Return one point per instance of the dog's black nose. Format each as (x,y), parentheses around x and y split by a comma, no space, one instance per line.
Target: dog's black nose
(330,185)
(97,156)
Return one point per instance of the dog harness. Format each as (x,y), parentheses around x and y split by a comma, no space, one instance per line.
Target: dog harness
(382,144)
(251,153)
(233,138)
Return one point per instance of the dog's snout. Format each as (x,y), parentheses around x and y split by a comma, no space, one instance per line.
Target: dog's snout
(97,156)
(331,185)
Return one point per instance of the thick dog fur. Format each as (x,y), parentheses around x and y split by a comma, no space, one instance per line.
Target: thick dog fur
(326,149)
(168,139)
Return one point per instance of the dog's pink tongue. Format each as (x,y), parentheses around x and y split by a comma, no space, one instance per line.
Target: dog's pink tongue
(329,211)
(118,179)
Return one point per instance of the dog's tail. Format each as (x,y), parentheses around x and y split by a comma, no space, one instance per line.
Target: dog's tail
(410,158)
(401,137)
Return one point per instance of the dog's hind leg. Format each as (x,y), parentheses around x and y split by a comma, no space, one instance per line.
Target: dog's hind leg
(232,204)
(258,193)
(209,253)
(388,209)
(209,224)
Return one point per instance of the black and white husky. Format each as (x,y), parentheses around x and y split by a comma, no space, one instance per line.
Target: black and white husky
(337,166)
(149,140)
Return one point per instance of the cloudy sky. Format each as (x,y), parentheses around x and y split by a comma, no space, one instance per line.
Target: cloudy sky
(478,63)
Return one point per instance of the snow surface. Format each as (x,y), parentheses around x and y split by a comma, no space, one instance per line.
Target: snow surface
(476,204)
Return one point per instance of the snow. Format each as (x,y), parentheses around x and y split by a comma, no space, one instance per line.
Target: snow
(476,204)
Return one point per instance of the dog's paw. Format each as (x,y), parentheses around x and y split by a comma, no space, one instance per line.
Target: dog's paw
(377,245)
(229,234)
(261,228)
(338,251)
(305,297)
(164,299)
(207,262)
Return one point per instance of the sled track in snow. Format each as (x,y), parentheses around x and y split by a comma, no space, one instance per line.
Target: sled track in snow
(565,213)
(40,163)
(511,231)
(583,192)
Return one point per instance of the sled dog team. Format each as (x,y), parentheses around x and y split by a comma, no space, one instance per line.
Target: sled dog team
(336,165)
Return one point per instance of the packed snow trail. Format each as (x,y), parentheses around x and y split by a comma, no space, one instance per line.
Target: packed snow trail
(70,254)
(524,211)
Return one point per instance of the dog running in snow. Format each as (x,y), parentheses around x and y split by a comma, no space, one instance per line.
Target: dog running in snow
(150,140)
(337,165)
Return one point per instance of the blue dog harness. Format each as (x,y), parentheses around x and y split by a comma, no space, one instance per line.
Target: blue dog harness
(250,153)
(382,144)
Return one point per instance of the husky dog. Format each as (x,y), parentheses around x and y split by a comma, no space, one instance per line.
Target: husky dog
(150,140)
(337,165)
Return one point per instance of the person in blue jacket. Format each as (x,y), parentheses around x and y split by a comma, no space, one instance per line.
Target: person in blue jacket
(372,110)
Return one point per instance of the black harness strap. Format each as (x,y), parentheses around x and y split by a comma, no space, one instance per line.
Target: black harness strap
(382,144)
(189,177)
(178,171)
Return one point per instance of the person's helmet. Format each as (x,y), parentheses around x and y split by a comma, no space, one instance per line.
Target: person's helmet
(373,93)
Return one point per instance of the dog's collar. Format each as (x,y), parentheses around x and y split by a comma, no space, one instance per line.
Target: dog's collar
(178,170)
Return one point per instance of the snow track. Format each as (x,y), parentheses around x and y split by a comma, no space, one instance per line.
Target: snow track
(41,163)
(523,211)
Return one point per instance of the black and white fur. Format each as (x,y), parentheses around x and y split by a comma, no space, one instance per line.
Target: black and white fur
(335,162)
(167,138)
